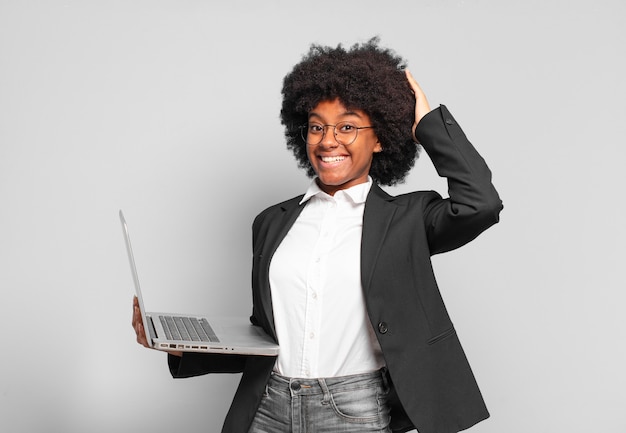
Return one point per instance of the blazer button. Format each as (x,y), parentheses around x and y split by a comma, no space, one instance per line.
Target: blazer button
(449,121)
(383,328)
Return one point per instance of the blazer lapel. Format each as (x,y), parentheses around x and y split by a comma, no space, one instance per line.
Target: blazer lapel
(377,217)
(275,235)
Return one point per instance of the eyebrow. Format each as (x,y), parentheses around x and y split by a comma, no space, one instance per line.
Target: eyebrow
(345,114)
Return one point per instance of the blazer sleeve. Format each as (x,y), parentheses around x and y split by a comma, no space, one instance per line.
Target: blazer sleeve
(196,364)
(473,204)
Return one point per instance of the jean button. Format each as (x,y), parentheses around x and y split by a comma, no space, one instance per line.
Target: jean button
(295,386)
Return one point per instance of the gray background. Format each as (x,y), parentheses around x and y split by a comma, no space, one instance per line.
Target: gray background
(169,110)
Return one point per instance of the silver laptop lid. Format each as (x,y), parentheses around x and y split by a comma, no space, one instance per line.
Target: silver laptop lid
(133,268)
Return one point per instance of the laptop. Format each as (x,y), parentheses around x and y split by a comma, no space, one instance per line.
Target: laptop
(185,333)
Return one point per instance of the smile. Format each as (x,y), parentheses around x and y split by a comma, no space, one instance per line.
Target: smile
(331,159)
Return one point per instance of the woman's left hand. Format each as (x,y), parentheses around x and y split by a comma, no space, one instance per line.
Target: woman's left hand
(421,103)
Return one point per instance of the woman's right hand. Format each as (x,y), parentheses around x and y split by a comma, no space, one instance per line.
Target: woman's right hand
(138,324)
(140,332)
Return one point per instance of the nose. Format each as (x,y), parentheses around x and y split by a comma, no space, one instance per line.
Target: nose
(329,139)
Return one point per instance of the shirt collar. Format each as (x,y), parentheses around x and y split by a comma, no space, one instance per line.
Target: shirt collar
(357,193)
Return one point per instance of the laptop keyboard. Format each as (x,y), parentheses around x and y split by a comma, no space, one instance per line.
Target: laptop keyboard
(188,329)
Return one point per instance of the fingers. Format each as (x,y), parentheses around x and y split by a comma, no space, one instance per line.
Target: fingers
(136,312)
(135,305)
(137,324)
(412,82)
(141,336)
(140,331)
(421,103)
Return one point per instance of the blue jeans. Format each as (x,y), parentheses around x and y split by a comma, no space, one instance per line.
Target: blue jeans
(346,404)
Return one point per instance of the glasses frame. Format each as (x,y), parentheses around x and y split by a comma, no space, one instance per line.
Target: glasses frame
(304,132)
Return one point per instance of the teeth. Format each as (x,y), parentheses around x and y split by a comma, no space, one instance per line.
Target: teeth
(333,158)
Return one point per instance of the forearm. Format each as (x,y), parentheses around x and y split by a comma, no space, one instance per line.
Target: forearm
(473,203)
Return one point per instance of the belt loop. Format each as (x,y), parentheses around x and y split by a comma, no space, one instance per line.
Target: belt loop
(384,371)
(324,387)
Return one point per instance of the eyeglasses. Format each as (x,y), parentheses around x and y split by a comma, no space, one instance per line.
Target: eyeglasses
(345,132)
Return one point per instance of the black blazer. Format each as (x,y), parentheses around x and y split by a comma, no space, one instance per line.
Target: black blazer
(434,389)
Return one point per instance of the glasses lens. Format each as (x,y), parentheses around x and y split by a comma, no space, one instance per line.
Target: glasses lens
(313,133)
(304,131)
(345,133)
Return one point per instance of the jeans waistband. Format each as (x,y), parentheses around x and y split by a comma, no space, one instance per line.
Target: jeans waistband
(306,386)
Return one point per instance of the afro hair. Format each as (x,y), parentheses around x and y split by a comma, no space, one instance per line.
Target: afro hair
(365,77)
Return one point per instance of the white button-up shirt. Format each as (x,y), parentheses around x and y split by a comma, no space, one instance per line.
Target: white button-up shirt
(315,276)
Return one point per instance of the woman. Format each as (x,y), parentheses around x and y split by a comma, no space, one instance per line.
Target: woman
(342,277)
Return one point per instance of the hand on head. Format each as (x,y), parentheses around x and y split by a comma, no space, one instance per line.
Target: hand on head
(421,103)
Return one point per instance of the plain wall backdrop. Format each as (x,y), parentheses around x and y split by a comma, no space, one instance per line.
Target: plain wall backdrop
(169,111)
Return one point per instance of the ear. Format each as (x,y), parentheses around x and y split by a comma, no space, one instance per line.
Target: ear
(378,147)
